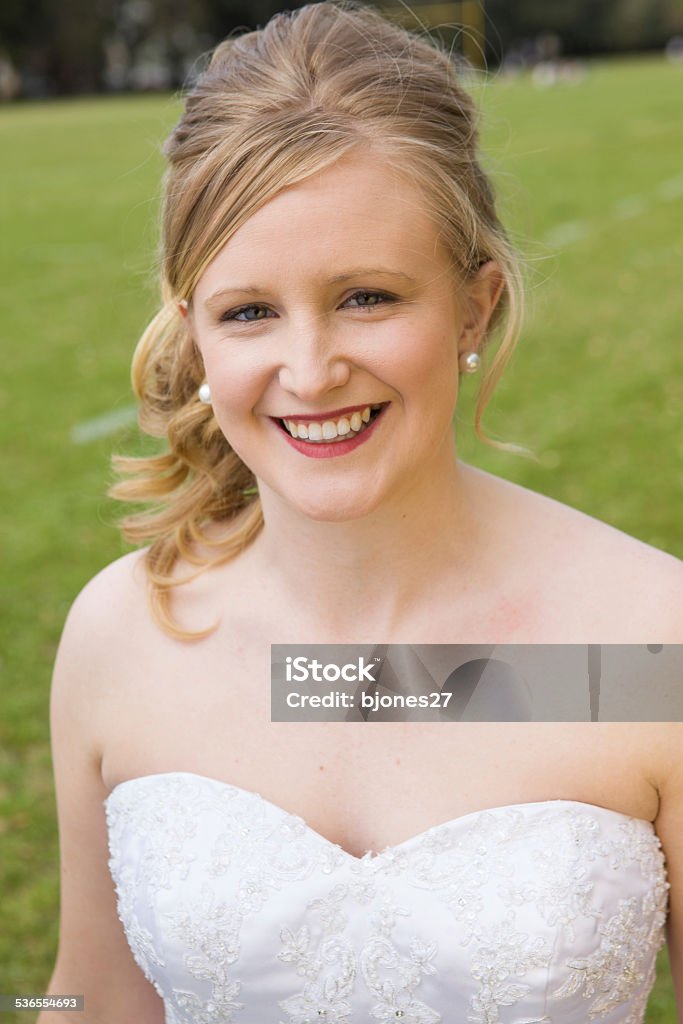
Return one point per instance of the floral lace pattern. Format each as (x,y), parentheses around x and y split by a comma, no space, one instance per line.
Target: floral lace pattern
(239,913)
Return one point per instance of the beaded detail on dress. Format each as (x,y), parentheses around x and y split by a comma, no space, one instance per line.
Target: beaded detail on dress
(239,913)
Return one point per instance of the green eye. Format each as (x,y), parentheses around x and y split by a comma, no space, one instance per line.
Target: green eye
(235,314)
(373,299)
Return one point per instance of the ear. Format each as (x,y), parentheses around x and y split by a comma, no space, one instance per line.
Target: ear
(482,292)
(183,307)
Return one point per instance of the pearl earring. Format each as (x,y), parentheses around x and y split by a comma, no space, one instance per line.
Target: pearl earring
(205,393)
(469,362)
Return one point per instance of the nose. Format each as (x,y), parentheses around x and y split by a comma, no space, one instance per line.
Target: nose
(314,364)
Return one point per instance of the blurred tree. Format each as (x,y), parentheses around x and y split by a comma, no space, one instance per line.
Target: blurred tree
(24,32)
(75,51)
(228,14)
(69,46)
(584,26)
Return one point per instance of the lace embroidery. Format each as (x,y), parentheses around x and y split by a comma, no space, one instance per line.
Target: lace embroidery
(530,914)
(395,992)
(140,939)
(331,968)
(503,955)
(327,967)
(615,971)
(210,930)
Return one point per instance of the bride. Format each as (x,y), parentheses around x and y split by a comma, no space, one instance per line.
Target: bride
(332,269)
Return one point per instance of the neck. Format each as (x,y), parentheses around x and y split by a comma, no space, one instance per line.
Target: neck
(370,576)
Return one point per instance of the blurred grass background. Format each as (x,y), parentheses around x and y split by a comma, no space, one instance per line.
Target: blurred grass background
(590,183)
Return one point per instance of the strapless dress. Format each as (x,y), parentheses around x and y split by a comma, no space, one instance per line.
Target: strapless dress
(238,911)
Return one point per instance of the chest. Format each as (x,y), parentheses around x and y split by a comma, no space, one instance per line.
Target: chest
(363,785)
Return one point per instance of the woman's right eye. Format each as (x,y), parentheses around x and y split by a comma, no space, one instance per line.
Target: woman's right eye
(235,314)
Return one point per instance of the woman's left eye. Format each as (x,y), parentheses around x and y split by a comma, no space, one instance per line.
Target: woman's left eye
(370,299)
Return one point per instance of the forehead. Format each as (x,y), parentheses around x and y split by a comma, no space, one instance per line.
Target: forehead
(361,211)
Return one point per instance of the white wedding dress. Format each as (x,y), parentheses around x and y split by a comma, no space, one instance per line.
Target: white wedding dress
(237,911)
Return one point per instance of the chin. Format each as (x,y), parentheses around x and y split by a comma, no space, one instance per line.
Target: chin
(331,508)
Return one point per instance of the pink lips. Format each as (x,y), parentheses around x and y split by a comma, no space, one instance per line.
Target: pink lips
(319,450)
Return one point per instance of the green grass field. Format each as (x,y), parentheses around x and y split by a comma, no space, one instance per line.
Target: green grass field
(591,185)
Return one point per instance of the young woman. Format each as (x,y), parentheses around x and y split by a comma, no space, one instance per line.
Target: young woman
(332,266)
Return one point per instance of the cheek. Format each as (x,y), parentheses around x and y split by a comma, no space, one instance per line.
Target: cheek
(236,390)
(236,384)
(428,367)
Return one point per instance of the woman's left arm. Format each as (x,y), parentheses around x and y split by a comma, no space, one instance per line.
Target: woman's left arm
(669,826)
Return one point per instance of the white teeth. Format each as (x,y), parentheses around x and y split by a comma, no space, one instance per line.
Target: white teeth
(329,430)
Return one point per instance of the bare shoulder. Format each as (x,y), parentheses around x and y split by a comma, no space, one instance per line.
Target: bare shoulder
(115,592)
(634,591)
(108,607)
(613,585)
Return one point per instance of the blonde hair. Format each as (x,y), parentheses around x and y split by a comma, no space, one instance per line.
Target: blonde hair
(275,106)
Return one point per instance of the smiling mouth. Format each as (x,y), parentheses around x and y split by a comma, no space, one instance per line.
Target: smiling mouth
(333,430)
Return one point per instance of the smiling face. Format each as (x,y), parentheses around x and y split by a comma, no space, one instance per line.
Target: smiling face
(330,329)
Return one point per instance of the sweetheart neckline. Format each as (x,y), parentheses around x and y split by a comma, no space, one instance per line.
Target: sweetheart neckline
(371,855)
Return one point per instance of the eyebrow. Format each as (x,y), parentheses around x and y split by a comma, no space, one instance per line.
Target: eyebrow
(356,272)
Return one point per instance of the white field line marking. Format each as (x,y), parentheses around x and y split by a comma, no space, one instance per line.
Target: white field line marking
(630,206)
(102,426)
(566,233)
(671,189)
